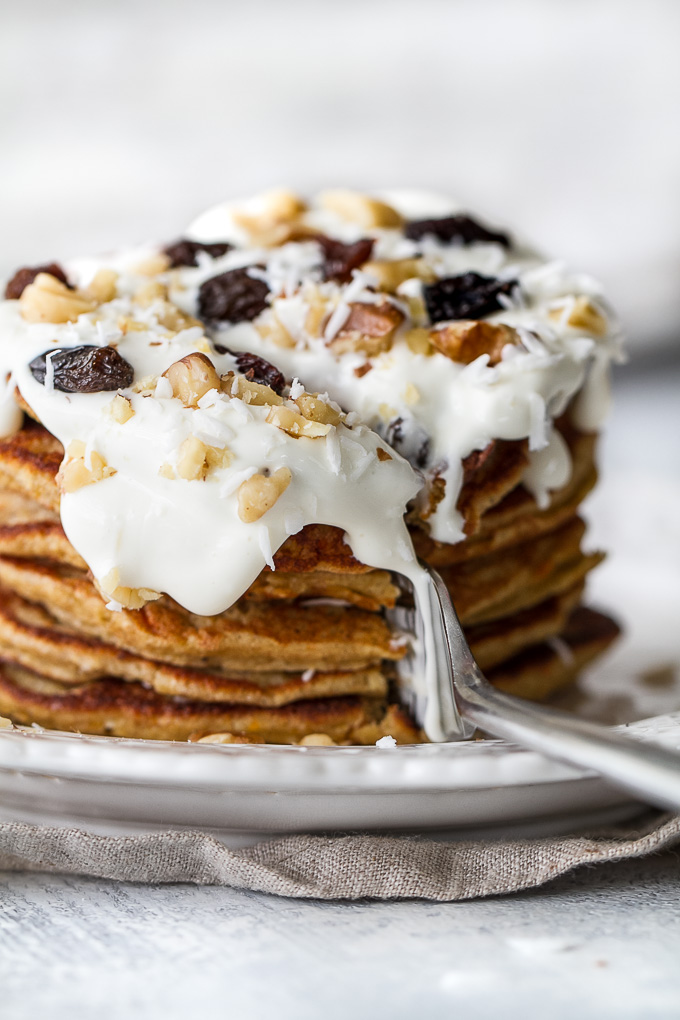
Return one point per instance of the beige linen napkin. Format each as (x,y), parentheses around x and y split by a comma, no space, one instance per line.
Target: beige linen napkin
(344,867)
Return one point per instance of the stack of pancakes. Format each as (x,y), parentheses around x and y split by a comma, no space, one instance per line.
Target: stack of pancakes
(308,654)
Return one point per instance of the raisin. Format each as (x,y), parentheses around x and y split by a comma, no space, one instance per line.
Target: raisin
(255,368)
(469,296)
(84,369)
(412,443)
(340,259)
(184,252)
(234,296)
(27,274)
(461,228)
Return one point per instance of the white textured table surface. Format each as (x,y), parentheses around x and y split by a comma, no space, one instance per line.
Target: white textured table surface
(603,943)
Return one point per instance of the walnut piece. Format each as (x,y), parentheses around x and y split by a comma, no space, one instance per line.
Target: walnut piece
(363,210)
(259,493)
(249,392)
(269,218)
(297,425)
(129,598)
(418,341)
(272,329)
(223,738)
(582,315)
(196,458)
(150,292)
(391,275)
(153,265)
(49,300)
(465,340)
(102,286)
(75,472)
(369,329)
(317,740)
(191,378)
(316,409)
(120,409)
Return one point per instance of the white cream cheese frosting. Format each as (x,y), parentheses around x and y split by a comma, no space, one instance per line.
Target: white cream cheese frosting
(145,526)
(451,407)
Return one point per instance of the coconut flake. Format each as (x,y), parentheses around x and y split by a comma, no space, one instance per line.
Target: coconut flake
(265,545)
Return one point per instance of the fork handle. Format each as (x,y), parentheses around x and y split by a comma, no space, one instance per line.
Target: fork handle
(650,772)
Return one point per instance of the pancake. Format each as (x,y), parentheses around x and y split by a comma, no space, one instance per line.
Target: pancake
(516,518)
(112,707)
(33,639)
(546,668)
(257,424)
(115,708)
(248,636)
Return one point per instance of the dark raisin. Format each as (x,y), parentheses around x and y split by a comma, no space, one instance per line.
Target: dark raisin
(461,228)
(423,454)
(234,296)
(23,277)
(184,252)
(411,441)
(84,369)
(255,368)
(469,296)
(340,259)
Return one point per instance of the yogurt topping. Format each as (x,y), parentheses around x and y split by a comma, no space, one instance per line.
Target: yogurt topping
(161,510)
(442,410)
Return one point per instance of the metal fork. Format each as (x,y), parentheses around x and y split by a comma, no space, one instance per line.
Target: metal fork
(465,696)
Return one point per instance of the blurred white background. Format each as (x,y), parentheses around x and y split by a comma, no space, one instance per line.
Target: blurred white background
(119,122)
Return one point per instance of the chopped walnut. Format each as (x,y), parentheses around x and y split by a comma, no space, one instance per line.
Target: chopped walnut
(271,328)
(102,286)
(174,319)
(297,425)
(383,455)
(391,275)
(317,740)
(317,312)
(129,598)
(465,340)
(277,211)
(153,265)
(49,300)
(191,378)
(315,409)
(75,472)
(582,315)
(418,341)
(197,458)
(369,329)
(259,493)
(120,409)
(249,392)
(152,291)
(223,738)
(128,325)
(411,393)
(363,210)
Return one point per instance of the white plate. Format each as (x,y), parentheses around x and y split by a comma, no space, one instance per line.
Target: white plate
(241,792)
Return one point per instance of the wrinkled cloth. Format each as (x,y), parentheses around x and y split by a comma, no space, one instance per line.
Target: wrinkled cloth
(342,867)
